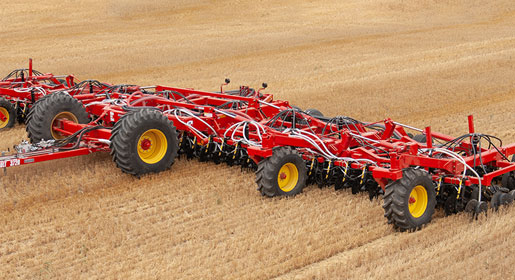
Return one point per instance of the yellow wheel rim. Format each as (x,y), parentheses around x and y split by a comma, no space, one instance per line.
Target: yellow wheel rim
(152,146)
(6,114)
(418,201)
(288,177)
(62,116)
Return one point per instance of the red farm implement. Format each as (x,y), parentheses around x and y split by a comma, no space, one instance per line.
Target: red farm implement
(145,128)
(21,88)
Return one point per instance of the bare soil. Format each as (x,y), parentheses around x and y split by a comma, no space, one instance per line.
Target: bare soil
(418,62)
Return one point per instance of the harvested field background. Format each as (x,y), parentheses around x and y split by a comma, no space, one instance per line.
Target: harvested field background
(419,62)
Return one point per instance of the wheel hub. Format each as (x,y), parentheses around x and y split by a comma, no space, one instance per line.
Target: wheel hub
(146,144)
(152,146)
(2,115)
(5,120)
(417,201)
(288,177)
(61,116)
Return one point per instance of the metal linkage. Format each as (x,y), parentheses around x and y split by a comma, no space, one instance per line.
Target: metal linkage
(23,87)
(279,141)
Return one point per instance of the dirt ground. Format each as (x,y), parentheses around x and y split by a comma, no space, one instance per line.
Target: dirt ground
(418,62)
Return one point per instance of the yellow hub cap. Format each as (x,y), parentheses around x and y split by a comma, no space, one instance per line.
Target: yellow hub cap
(152,146)
(288,177)
(62,116)
(6,114)
(418,201)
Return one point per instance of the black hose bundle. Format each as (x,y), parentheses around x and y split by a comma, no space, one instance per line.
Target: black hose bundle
(86,86)
(75,137)
(171,93)
(21,73)
(475,150)
(339,122)
(289,115)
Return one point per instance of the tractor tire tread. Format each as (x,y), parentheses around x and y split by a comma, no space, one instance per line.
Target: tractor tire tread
(45,109)
(266,180)
(396,195)
(124,132)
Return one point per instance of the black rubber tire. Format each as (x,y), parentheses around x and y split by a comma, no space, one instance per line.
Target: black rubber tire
(500,199)
(126,134)
(495,201)
(512,192)
(421,138)
(397,195)
(296,108)
(508,179)
(506,199)
(43,112)
(8,106)
(268,171)
(32,109)
(314,112)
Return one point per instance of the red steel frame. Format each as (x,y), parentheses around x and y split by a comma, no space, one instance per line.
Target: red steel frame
(28,89)
(8,86)
(399,152)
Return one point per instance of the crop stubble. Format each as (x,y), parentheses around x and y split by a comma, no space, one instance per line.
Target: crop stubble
(424,63)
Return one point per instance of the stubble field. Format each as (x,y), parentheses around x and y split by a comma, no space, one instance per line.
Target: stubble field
(421,63)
